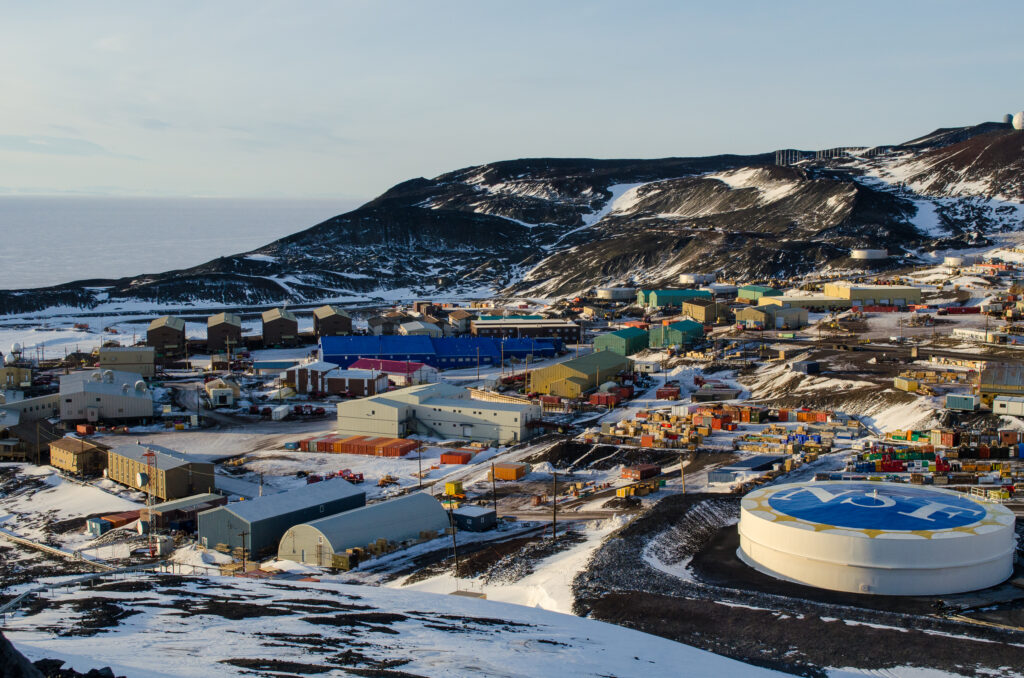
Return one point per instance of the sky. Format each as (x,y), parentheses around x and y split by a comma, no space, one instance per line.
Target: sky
(344,99)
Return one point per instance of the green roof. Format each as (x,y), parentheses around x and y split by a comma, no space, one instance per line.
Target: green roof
(686,325)
(629,333)
(763,289)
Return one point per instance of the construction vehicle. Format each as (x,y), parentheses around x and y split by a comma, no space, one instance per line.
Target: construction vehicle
(387,479)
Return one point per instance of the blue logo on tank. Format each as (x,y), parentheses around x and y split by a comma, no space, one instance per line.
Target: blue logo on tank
(880,506)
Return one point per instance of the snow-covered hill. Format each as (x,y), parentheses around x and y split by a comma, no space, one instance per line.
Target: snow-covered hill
(551,226)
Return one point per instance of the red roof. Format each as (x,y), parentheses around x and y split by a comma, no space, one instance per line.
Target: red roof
(390,366)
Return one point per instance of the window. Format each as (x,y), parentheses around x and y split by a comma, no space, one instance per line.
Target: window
(321,508)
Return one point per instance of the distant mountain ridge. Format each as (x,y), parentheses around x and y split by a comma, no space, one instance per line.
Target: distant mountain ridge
(553,226)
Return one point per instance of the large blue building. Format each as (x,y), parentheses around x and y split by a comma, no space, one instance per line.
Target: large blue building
(447,353)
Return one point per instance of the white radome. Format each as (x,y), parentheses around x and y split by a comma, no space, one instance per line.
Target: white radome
(876,538)
(1018,120)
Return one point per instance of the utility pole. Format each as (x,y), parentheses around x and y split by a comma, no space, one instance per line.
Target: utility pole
(682,471)
(455,545)
(478,363)
(419,458)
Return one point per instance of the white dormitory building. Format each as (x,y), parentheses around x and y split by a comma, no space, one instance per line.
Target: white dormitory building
(440,410)
(104,395)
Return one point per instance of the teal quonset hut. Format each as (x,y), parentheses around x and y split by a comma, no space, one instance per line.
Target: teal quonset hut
(257,525)
(624,342)
(753,293)
(682,332)
(659,298)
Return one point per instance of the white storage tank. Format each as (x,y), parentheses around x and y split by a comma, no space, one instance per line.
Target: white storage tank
(877,538)
(616,293)
(696,278)
(866,254)
(960,261)
(722,290)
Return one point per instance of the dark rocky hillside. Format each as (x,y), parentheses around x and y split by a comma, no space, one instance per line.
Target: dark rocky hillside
(550,226)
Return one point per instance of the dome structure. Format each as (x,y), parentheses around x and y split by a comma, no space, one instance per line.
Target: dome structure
(877,538)
(1018,120)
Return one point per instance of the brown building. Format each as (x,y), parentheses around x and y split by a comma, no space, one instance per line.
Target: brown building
(459,319)
(81,457)
(223,332)
(526,327)
(166,335)
(331,321)
(705,311)
(280,328)
(173,477)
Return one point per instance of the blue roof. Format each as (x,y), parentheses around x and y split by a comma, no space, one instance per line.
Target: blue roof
(372,346)
(466,346)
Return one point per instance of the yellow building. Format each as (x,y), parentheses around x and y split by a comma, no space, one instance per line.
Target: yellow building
(572,378)
(13,377)
(1001,380)
(814,302)
(173,477)
(78,456)
(875,295)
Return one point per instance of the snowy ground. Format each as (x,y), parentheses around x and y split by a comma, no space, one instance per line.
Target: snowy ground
(191,629)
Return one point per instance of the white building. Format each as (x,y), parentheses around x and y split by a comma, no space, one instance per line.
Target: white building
(399,520)
(104,395)
(419,327)
(440,410)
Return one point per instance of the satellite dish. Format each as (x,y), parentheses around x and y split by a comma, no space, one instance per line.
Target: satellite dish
(140,385)
(141,479)
(1018,120)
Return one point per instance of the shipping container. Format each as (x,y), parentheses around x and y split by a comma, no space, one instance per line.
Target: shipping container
(641,471)
(85,429)
(456,457)
(509,471)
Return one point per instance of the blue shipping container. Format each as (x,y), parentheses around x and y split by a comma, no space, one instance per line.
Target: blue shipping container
(97,526)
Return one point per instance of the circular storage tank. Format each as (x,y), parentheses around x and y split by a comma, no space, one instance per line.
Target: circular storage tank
(616,293)
(879,538)
(869,254)
(696,278)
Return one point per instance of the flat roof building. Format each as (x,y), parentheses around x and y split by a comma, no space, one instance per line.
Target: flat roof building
(811,302)
(875,295)
(104,395)
(754,293)
(661,298)
(174,477)
(137,359)
(441,410)
(526,326)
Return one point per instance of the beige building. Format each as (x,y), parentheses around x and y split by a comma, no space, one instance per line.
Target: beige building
(811,302)
(875,295)
(572,378)
(81,457)
(223,332)
(137,359)
(13,377)
(166,335)
(104,396)
(173,476)
(440,410)
(222,392)
(770,316)
(420,327)
(705,311)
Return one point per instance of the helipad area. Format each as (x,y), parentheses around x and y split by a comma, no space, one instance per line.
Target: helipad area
(881,538)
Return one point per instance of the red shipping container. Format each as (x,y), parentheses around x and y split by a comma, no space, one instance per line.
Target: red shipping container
(646,441)
(456,457)
(641,471)
(716,423)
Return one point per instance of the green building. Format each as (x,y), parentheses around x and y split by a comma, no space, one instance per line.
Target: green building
(659,298)
(682,332)
(624,342)
(753,293)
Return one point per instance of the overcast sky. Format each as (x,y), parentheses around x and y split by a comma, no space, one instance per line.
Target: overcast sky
(344,99)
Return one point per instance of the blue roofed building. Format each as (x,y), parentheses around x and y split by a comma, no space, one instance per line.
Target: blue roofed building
(441,353)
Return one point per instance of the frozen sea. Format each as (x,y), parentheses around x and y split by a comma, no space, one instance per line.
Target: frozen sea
(52,240)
